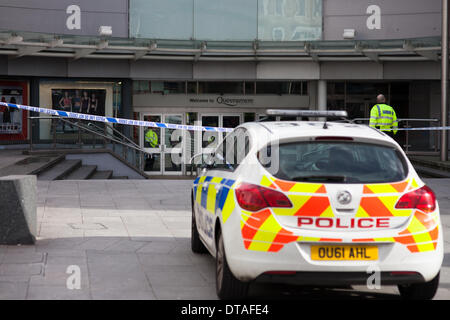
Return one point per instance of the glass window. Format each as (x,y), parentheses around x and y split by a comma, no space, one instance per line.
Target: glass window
(283,20)
(217,87)
(250,88)
(272,87)
(158,19)
(336,88)
(339,162)
(225,20)
(192,87)
(299,87)
(305,88)
(168,87)
(300,8)
(141,86)
(249,116)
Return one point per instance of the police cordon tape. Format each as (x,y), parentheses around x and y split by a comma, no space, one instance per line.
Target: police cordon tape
(139,123)
(128,122)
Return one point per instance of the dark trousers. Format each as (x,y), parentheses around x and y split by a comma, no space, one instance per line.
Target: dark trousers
(390,134)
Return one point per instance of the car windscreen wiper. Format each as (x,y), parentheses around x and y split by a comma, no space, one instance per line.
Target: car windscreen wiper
(318,178)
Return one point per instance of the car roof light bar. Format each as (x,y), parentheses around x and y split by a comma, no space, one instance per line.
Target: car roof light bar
(308,113)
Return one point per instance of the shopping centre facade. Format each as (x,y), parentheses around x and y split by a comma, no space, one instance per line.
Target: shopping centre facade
(217,62)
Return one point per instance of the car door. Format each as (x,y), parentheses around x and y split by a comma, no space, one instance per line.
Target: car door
(217,184)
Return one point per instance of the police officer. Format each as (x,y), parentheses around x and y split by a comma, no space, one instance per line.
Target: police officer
(152,139)
(383,117)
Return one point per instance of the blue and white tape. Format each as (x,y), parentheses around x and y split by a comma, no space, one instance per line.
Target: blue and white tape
(128,122)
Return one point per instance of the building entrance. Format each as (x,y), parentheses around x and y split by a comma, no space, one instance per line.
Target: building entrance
(170,150)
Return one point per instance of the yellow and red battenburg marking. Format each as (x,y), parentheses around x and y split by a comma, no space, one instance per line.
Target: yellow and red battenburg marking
(262,232)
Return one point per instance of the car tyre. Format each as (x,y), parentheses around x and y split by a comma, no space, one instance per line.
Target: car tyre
(227,285)
(197,245)
(420,291)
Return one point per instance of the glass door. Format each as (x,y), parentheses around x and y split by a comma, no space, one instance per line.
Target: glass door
(230,121)
(210,139)
(152,144)
(172,146)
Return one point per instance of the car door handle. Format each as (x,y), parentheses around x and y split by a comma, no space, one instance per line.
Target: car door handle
(218,188)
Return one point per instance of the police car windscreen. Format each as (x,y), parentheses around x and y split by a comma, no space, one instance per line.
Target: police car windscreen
(335,162)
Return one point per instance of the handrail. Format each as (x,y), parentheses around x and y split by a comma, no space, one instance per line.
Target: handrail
(115,131)
(401,119)
(407,124)
(133,146)
(95,130)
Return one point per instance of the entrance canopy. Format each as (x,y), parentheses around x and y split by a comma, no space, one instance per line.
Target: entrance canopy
(17,44)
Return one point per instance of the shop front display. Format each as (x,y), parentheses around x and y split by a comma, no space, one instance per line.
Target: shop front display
(13,122)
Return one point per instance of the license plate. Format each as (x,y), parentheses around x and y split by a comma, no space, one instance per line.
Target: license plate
(343,252)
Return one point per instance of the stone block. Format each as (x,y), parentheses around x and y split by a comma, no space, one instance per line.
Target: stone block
(18,214)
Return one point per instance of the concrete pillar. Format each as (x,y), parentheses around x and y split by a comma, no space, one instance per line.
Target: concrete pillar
(127,105)
(322,95)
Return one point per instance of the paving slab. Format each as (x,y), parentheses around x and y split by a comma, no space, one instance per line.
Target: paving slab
(57,293)
(13,290)
(116,271)
(144,252)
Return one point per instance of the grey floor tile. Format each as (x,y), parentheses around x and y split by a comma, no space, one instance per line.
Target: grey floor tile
(176,278)
(112,294)
(56,293)
(183,293)
(22,257)
(118,271)
(22,269)
(13,290)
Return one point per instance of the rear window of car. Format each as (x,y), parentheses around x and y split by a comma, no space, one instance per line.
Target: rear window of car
(334,162)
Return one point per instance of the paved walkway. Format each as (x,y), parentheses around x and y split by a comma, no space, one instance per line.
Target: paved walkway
(131,240)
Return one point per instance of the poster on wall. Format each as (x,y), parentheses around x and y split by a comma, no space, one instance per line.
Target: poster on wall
(13,124)
(87,101)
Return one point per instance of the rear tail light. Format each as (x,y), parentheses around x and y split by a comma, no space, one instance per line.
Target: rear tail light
(253,198)
(422,199)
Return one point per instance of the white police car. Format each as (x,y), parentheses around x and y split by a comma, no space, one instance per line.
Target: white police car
(315,203)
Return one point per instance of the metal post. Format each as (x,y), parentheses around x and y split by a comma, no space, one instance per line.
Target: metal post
(444,80)
(31,133)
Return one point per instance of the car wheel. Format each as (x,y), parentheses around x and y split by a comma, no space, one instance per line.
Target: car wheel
(420,291)
(197,245)
(227,285)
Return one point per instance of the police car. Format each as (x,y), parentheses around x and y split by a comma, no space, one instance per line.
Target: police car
(315,203)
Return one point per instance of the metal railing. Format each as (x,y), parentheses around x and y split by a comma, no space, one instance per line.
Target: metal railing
(85,135)
(416,142)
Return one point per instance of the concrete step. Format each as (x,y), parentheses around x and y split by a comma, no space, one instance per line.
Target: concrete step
(431,172)
(102,175)
(31,165)
(60,170)
(82,173)
(119,177)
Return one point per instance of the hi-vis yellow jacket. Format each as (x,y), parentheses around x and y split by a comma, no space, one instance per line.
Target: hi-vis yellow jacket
(383,117)
(152,138)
